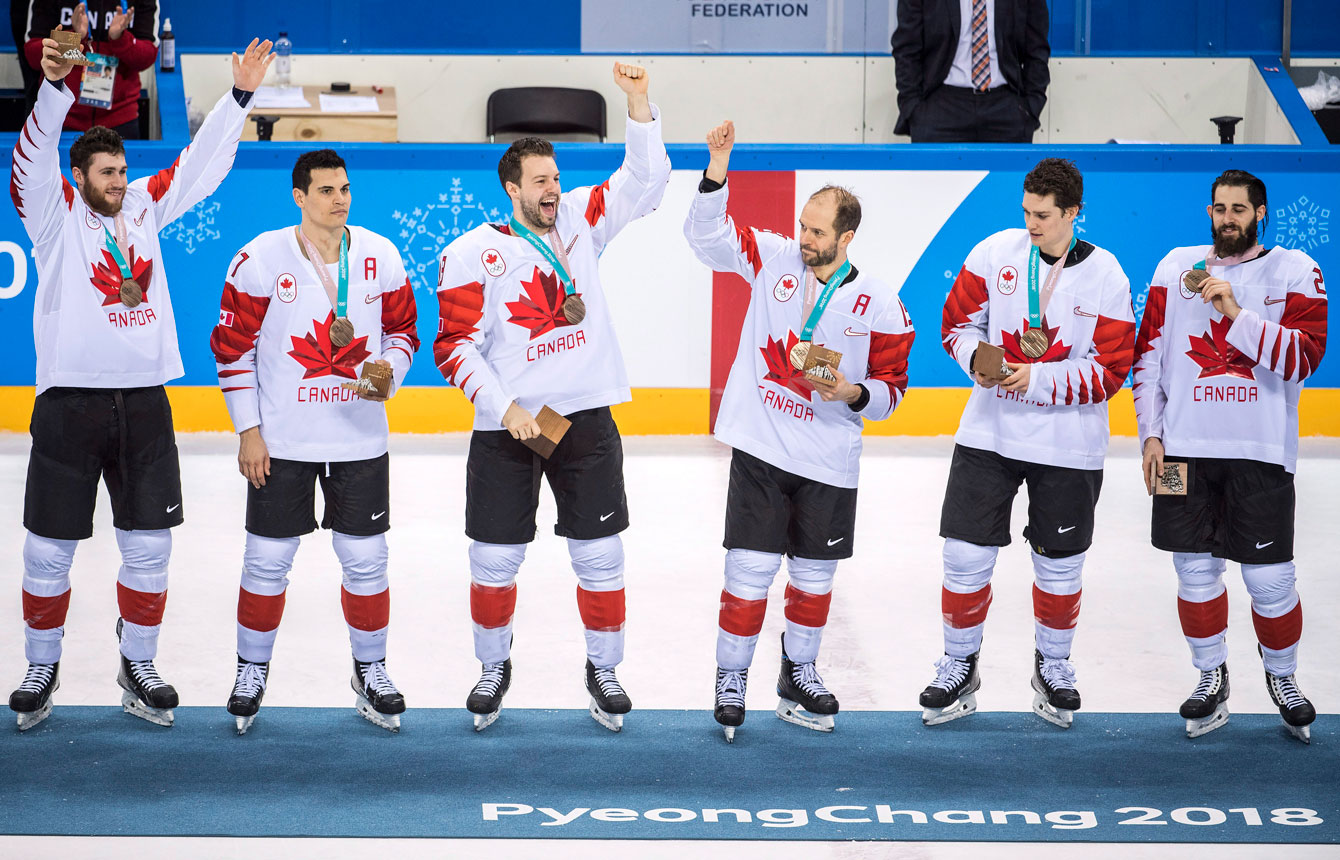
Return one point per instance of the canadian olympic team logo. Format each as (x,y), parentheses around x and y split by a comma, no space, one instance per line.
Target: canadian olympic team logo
(93,223)
(493,262)
(1181,285)
(786,288)
(286,287)
(1006,280)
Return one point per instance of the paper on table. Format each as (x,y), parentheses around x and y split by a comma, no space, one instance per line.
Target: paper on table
(280,97)
(348,104)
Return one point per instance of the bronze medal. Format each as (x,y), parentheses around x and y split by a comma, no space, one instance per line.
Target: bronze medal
(1195,279)
(574,309)
(799,353)
(342,332)
(1034,342)
(131,293)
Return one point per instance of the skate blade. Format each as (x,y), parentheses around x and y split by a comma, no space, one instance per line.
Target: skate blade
(1195,728)
(244,723)
(729,731)
(613,722)
(131,704)
(32,718)
(1303,733)
(792,712)
(1055,716)
(965,706)
(483,721)
(390,722)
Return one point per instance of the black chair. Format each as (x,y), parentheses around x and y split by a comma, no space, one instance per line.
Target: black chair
(546,110)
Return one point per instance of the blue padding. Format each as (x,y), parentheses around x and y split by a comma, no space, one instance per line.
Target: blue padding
(1285,92)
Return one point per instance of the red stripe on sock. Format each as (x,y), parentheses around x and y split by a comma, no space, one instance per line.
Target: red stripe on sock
(1281,632)
(366,612)
(601,610)
(1057,611)
(141,607)
(965,610)
(1205,619)
(259,612)
(492,606)
(806,609)
(45,613)
(741,617)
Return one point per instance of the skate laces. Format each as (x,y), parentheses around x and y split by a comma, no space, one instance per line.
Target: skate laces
(37,677)
(1058,673)
(250,679)
(1286,692)
(491,679)
(730,687)
(950,672)
(1209,683)
(145,673)
(608,682)
(806,677)
(376,679)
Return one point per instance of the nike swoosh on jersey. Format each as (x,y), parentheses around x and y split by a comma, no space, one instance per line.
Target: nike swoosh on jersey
(1080,312)
(851,333)
(367,300)
(1270,301)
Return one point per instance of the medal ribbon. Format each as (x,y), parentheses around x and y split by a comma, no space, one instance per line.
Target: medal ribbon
(339,297)
(116,245)
(811,284)
(1037,303)
(1246,256)
(558,260)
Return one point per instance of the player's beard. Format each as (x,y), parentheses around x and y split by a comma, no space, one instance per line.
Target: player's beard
(101,203)
(820,256)
(1231,246)
(535,215)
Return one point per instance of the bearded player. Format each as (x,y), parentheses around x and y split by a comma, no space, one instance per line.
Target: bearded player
(1230,332)
(525,324)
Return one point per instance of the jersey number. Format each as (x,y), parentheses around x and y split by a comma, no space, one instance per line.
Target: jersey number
(1321,288)
(242,258)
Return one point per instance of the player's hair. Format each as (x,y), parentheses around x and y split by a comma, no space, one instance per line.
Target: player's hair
(1060,178)
(1256,189)
(90,143)
(509,166)
(317,159)
(848,215)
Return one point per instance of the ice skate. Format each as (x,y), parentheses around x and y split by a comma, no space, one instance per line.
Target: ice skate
(1296,711)
(379,702)
(729,710)
(953,693)
(1056,698)
(485,700)
(803,698)
(248,691)
(146,695)
(32,700)
(1206,709)
(609,702)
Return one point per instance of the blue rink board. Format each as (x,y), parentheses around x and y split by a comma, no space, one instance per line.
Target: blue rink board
(324,772)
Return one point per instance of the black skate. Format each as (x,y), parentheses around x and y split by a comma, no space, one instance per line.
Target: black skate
(485,700)
(32,700)
(729,710)
(953,693)
(379,702)
(146,695)
(1207,707)
(1296,711)
(609,702)
(1056,698)
(804,700)
(248,690)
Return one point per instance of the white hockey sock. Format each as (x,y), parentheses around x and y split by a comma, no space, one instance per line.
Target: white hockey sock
(1202,607)
(493,570)
(46,595)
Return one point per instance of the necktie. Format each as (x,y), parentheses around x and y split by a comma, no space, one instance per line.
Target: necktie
(981,58)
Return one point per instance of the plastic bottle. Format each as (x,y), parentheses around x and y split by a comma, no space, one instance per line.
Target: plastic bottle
(167,48)
(283,60)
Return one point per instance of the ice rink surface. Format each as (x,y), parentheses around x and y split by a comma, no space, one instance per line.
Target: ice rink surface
(883,635)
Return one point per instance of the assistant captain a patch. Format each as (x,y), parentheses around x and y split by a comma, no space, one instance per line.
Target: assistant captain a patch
(1006,280)
(786,288)
(493,262)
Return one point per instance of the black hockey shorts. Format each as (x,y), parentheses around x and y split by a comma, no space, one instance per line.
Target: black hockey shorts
(357,497)
(1241,510)
(771,510)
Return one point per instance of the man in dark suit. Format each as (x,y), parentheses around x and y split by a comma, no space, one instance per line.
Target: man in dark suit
(970,70)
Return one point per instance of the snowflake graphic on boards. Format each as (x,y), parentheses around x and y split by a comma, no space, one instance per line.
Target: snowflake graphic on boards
(1303,225)
(196,226)
(429,227)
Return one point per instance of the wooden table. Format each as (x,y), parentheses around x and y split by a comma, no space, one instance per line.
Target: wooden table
(313,124)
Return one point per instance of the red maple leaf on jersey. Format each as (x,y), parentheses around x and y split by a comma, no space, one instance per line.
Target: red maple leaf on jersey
(1007,275)
(491,259)
(1216,356)
(778,358)
(1015,353)
(286,282)
(107,276)
(321,358)
(540,308)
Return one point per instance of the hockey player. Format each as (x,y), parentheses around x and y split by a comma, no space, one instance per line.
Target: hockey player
(1221,361)
(524,324)
(796,436)
(106,342)
(1068,334)
(304,310)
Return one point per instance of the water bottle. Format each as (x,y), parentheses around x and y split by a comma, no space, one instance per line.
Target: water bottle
(283,60)
(167,48)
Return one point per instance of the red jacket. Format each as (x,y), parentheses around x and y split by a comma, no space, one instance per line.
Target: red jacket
(135,51)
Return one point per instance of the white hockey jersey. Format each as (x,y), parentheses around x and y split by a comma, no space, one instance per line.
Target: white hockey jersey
(502,335)
(85,336)
(769,409)
(1209,386)
(277,367)
(1061,420)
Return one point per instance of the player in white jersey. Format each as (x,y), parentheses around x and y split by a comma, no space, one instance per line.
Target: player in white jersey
(1068,334)
(305,309)
(1229,333)
(106,342)
(796,436)
(524,324)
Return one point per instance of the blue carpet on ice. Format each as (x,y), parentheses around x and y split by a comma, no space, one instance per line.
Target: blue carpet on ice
(326,772)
